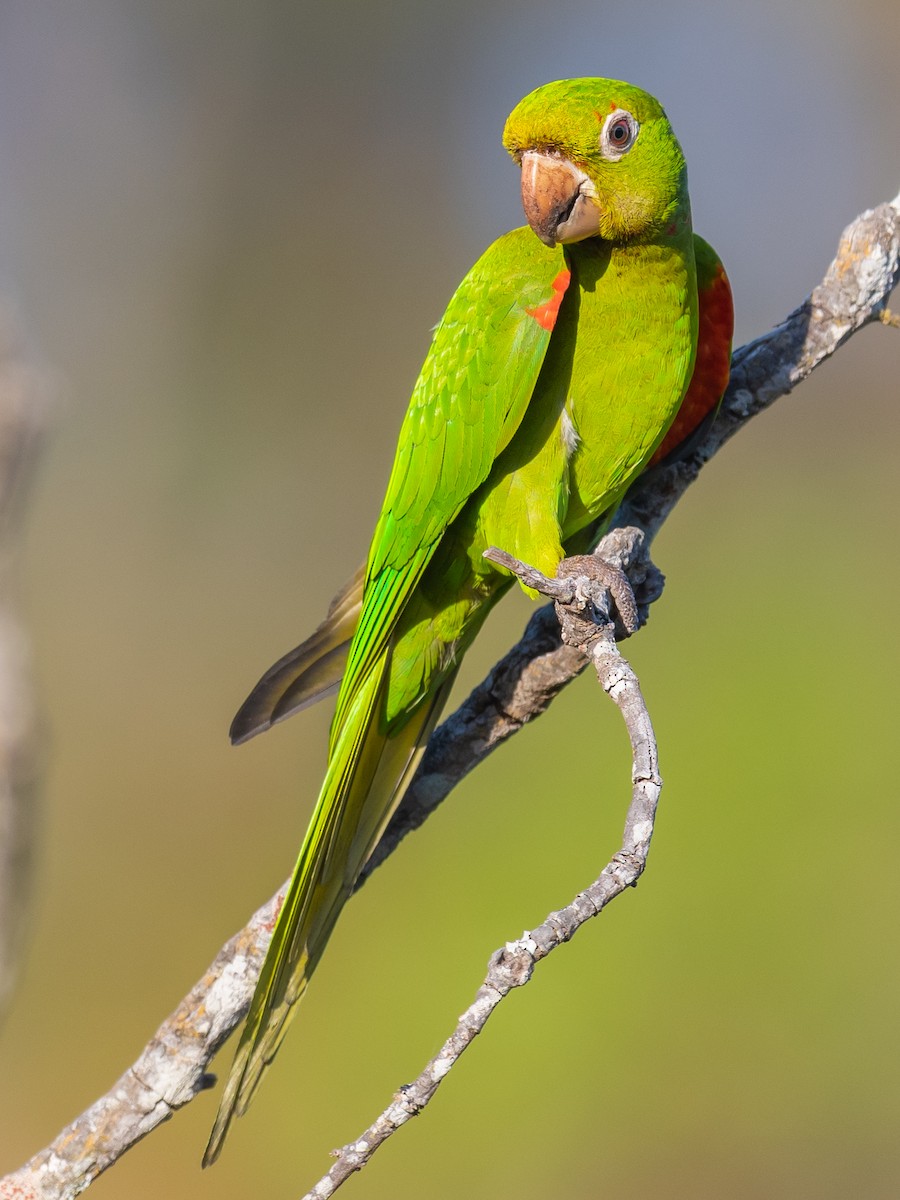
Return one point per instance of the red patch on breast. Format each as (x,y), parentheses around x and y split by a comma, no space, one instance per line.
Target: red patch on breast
(545,314)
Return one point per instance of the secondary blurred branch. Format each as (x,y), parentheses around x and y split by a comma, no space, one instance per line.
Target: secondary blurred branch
(171,1069)
(23,407)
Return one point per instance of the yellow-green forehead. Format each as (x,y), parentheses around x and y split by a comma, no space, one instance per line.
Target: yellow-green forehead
(570,111)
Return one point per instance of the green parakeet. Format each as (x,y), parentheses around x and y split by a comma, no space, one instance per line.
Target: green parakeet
(551,381)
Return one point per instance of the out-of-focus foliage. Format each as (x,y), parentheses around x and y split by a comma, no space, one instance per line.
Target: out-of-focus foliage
(229,227)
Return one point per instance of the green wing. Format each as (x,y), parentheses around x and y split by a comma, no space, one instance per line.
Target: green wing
(470,397)
(713,362)
(473,391)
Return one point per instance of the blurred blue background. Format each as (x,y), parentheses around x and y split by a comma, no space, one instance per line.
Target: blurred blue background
(229,229)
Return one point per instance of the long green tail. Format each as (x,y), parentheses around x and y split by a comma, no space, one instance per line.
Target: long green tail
(367,776)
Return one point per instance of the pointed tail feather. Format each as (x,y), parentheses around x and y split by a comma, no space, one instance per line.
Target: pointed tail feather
(306,674)
(366,779)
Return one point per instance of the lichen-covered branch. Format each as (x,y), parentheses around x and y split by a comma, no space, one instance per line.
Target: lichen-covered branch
(853,293)
(170,1071)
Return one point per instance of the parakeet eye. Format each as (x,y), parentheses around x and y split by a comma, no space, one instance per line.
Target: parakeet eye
(618,134)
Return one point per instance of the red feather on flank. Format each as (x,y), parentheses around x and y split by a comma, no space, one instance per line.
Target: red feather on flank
(711,369)
(546,314)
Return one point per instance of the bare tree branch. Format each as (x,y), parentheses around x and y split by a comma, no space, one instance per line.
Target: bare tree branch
(171,1069)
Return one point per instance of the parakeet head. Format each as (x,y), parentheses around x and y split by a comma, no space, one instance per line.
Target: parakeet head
(598,159)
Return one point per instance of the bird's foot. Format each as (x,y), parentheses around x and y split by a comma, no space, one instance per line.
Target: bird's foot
(601,599)
(627,548)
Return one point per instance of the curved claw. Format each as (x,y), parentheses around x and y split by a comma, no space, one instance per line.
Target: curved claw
(602,577)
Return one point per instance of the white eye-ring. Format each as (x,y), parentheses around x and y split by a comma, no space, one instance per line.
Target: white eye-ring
(619,133)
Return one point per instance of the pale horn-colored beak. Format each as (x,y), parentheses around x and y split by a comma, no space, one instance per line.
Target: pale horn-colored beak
(558,199)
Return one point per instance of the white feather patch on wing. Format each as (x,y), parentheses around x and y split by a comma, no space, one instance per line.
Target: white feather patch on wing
(568,433)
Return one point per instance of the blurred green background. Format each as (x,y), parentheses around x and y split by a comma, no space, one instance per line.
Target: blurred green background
(229,228)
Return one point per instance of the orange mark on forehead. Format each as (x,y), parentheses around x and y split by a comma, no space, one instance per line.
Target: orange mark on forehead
(613,106)
(545,314)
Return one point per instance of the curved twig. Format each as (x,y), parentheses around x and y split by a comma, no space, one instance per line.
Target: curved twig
(853,293)
(513,964)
